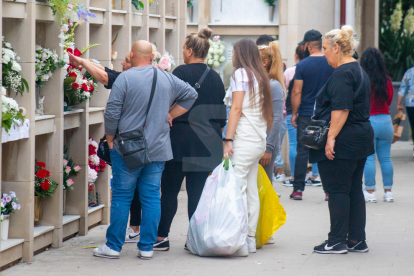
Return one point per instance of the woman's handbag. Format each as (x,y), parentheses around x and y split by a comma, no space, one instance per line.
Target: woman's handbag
(316,134)
(132,145)
(103,151)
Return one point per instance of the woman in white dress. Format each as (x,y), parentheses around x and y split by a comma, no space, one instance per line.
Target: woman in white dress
(250,116)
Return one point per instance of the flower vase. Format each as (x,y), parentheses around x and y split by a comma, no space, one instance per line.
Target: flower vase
(64,201)
(5,228)
(190,13)
(271,13)
(38,209)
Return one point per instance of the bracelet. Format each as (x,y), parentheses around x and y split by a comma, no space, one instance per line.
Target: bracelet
(227,140)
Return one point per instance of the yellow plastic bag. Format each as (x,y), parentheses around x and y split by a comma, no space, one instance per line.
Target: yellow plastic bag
(272,214)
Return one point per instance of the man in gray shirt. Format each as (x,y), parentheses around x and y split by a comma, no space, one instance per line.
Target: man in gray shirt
(125,112)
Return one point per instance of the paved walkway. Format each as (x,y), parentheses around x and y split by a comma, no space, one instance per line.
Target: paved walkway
(390,234)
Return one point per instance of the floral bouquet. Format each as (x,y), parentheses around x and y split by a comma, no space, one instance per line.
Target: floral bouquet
(95,163)
(10,112)
(78,87)
(69,170)
(65,9)
(11,76)
(163,62)
(43,186)
(9,204)
(47,61)
(216,52)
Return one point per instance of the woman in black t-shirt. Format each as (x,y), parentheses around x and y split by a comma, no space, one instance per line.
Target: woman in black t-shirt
(195,136)
(345,103)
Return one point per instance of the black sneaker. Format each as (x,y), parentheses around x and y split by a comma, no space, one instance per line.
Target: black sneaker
(357,247)
(186,247)
(314,182)
(163,245)
(324,248)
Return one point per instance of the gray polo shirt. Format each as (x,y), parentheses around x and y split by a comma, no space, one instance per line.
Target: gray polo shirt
(128,101)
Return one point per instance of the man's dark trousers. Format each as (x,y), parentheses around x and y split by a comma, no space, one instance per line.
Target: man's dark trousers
(302,155)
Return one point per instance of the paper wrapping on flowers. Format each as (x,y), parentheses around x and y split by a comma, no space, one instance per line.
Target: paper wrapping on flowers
(18,131)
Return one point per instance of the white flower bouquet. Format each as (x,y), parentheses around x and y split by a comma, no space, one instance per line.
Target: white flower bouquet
(216,53)
(11,76)
(10,111)
(47,61)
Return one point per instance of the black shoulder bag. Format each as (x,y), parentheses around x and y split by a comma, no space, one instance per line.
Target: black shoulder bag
(197,85)
(316,134)
(132,145)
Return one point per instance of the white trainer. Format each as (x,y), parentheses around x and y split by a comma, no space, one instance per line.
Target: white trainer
(251,244)
(370,198)
(279,177)
(388,197)
(104,251)
(242,252)
(145,255)
(131,236)
(271,240)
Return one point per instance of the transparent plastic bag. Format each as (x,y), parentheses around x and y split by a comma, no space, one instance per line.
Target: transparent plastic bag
(219,224)
(272,214)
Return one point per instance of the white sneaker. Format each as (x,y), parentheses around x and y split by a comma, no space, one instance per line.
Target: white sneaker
(288,183)
(104,251)
(131,236)
(251,244)
(242,252)
(370,198)
(388,197)
(271,240)
(145,255)
(279,177)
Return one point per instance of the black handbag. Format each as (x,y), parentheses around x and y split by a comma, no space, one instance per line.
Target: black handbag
(316,134)
(132,145)
(103,151)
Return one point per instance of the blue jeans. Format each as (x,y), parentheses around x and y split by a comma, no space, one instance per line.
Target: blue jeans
(292,132)
(383,135)
(148,179)
(279,158)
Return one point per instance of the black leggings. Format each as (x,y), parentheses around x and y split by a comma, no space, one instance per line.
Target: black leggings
(410,113)
(171,181)
(135,210)
(342,179)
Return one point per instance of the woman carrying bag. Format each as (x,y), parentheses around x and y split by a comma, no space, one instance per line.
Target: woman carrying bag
(251,114)
(344,102)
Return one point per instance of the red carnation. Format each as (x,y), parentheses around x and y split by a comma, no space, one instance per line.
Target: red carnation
(41,164)
(92,150)
(69,50)
(91,88)
(91,188)
(84,77)
(45,185)
(42,174)
(96,168)
(73,74)
(85,87)
(77,53)
(75,85)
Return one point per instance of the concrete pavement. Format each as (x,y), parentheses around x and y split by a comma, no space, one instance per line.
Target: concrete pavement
(390,236)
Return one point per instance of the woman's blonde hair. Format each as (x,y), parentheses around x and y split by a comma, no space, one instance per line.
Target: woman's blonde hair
(345,38)
(272,54)
(199,42)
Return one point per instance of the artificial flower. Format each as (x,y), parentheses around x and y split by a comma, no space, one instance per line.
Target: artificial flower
(77,168)
(69,182)
(65,162)
(68,169)
(42,174)
(41,164)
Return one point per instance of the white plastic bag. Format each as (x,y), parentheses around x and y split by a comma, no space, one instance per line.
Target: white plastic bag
(219,224)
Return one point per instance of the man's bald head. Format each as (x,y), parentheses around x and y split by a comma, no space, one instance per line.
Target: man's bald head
(141,53)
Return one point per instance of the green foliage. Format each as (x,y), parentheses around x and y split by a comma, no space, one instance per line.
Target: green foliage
(396,38)
(270,2)
(138,4)
(88,47)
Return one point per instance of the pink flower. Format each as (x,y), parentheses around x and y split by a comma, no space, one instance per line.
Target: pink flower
(14,205)
(69,182)
(154,64)
(77,168)
(8,198)
(164,63)
(69,7)
(18,206)
(65,162)
(216,38)
(68,169)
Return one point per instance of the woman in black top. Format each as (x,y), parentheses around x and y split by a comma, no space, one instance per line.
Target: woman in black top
(344,102)
(195,136)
